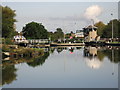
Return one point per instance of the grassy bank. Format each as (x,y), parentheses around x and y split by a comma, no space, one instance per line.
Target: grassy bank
(23,51)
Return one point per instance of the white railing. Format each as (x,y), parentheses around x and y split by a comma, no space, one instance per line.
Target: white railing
(38,41)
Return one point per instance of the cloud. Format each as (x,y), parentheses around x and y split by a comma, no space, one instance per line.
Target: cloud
(93,12)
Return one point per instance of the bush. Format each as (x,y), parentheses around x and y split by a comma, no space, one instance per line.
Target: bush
(7,41)
(5,48)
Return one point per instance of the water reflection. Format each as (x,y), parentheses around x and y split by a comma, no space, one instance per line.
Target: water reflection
(39,61)
(93,56)
(92,60)
(8,74)
(99,53)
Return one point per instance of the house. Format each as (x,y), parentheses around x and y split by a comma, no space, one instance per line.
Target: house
(79,34)
(20,39)
(90,34)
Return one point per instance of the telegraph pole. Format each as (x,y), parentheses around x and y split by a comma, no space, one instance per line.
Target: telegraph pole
(112,26)
(92,26)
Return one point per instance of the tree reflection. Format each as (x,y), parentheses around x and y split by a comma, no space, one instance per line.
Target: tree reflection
(52,50)
(8,74)
(100,55)
(39,61)
(116,53)
(59,49)
(102,52)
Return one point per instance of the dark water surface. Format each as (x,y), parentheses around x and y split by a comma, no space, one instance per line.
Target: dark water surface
(66,67)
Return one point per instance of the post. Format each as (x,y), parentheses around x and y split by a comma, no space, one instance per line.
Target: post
(112,27)
(64,37)
(92,27)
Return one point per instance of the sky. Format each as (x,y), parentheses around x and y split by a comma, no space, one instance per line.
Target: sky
(70,16)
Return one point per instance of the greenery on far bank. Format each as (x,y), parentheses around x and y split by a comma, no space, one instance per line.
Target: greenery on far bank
(114,42)
(105,30)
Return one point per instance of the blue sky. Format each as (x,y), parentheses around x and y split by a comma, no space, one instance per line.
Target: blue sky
(69,16)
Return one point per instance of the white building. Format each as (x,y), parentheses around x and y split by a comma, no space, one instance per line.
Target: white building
(79,34)
(20,39)
(90,34)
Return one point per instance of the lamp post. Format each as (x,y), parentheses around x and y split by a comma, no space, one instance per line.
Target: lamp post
(112,26)
(64,31)
(92,27)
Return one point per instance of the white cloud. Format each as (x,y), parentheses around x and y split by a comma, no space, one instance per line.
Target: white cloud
(93,12)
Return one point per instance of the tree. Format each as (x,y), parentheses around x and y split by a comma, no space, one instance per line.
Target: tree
(8,15)
(59,34)
(35,30)
(107,32)
(51,36)
(101,26)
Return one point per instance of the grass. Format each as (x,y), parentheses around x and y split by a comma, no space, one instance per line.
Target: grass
(114,42)
(30,52)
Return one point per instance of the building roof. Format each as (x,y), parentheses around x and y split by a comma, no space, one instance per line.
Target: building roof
(90,26)
(19,37)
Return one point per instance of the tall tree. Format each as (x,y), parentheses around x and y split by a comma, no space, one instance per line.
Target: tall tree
(8,20)
(108,29)
(59,34)
(35,30)
(101,26)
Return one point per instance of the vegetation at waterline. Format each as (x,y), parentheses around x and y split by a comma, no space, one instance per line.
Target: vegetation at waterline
(24,52)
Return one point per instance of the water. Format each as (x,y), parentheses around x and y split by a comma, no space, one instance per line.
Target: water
(66,67)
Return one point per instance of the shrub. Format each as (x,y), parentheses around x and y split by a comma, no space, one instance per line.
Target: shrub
(7,41)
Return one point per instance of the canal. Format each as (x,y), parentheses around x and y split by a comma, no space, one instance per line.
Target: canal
(66,67)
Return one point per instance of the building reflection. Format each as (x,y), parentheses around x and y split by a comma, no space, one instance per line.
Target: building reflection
(90,54)
(94,63)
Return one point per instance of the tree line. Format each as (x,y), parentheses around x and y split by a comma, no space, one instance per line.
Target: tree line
(105,30)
